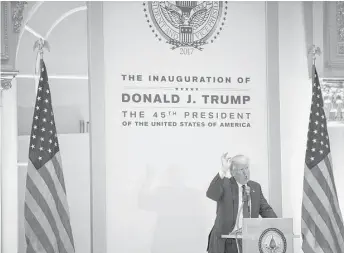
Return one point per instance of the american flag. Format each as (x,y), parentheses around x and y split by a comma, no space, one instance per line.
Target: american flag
(322,221)
(47,222)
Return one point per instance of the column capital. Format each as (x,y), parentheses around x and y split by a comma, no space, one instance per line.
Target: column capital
(6,79)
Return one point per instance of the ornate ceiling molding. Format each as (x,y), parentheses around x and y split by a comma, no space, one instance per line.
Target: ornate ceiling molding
(17,16)
(340,26)
(333,82)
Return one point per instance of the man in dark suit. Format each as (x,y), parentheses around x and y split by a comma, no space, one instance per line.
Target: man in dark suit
(229,188)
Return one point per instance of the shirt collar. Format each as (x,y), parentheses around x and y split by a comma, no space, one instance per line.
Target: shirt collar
(233,180)
(239,185)
(228,174)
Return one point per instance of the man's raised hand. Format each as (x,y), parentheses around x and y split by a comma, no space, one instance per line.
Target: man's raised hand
(226,162)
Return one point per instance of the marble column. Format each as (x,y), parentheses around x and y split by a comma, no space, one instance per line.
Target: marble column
(9,170)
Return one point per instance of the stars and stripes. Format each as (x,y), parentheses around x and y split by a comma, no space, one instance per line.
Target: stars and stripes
(186,34)
(47,221)
(322,221)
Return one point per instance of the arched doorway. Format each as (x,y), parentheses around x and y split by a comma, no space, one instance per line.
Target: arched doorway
(64,26)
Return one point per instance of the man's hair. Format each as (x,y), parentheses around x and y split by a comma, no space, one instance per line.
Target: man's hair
(234,161)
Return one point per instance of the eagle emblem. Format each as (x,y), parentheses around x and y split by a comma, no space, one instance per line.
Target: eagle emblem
(186,23)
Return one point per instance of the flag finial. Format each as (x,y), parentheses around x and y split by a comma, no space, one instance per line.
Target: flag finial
(40,44)
(314,51)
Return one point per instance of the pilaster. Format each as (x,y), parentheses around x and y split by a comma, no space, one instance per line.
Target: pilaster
(11,24)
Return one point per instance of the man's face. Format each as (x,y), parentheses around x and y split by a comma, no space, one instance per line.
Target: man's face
(241,172)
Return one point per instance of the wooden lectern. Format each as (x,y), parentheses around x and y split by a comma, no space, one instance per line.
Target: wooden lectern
(268,235)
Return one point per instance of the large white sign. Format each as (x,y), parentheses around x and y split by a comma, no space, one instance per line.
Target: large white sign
(185,82)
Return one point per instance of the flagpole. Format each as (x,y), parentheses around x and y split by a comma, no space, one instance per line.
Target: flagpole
(44,158)
(314,51)
(40,44)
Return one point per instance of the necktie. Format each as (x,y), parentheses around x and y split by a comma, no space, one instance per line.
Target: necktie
(245,212)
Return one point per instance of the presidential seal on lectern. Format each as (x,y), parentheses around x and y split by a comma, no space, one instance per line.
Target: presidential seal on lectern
(272,240)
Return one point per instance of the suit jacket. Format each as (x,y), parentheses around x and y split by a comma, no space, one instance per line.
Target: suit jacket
(225,192)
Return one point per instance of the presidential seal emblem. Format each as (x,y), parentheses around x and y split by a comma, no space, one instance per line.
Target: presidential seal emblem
(272,240)
(186,25)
